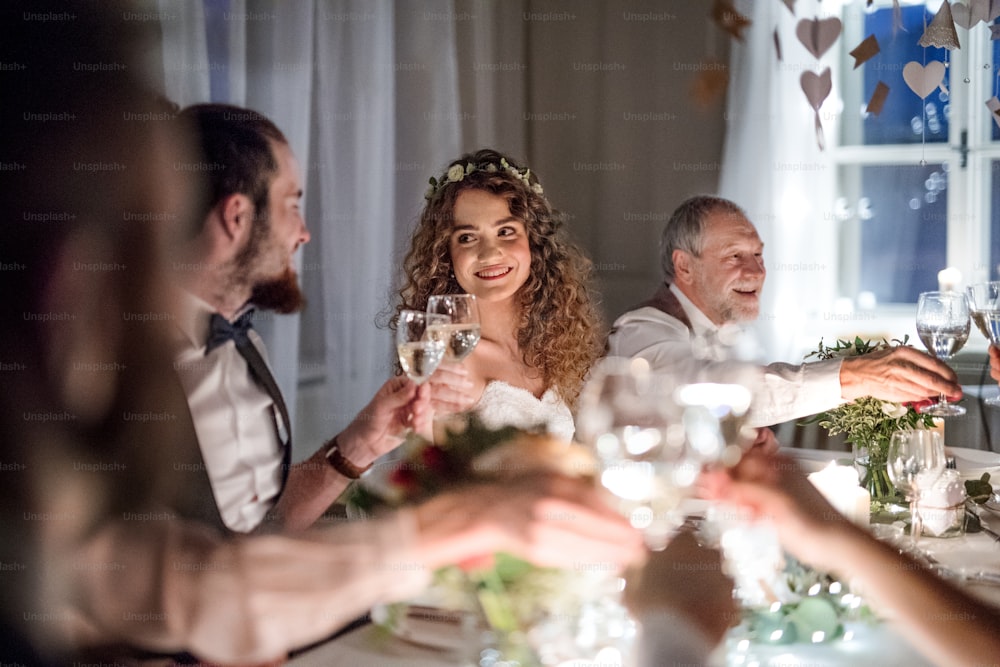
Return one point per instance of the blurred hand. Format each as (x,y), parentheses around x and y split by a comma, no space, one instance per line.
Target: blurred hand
(995,363)
(451,389)
(766,441)
(398,405)
(687,580)
(900,374)
(774,486)
(550,520)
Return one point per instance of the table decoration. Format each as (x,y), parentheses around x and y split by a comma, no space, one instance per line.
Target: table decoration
(942,506)
(840,486)
(868,423)
(533,615)
(782,600)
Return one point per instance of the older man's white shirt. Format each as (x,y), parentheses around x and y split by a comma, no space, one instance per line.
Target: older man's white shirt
(787,391)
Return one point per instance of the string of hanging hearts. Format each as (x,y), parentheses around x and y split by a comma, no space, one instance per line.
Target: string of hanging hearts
(818,36)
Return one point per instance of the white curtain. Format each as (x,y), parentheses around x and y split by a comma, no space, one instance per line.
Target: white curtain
(773,168)
(376,96)
(331,76)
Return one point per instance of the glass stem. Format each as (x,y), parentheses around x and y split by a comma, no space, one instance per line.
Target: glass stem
(916,525)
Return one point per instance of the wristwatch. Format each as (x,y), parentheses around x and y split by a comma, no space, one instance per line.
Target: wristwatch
(341,464)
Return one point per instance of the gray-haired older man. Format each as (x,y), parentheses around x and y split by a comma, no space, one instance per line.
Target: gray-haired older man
(713,266)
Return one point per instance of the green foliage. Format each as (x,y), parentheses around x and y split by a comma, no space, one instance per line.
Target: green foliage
(867,420)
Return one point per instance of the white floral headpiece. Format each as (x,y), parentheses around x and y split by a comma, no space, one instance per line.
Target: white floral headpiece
(458,172)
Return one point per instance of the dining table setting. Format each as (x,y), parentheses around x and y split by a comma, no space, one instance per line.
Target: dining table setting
(434,638)
(927,490)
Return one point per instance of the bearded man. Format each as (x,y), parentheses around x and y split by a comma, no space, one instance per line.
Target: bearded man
(239,259)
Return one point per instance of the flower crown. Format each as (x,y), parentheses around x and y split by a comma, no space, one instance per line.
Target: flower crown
(457,172)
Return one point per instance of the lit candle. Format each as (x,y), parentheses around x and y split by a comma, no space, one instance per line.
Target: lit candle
(949,279)
(839,485)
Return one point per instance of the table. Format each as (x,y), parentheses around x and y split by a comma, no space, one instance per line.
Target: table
(370,646)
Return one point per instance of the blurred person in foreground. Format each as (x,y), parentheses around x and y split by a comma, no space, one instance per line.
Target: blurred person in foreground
(946,624)
(95,553)
(713,268)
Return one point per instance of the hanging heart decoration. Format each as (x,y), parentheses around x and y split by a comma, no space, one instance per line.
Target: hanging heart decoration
(817,88)
(968,15)
(818,35)
(923,80)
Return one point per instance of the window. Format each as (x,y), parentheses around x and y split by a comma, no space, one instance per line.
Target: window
(915,190)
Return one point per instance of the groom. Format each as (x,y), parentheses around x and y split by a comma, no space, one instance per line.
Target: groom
(238,260)
(713,265)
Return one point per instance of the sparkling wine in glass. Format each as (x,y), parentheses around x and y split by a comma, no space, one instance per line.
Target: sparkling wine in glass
(943,327)
(460,333)
(419,351)
(984,302)
(915,460)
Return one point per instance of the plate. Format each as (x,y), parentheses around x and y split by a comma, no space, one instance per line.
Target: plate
(972,463)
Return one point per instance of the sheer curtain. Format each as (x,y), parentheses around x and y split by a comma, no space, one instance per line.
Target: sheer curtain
(376,96)
(369,95)
(773,168)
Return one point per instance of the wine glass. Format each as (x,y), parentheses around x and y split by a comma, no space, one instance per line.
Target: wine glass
(943,327)
(915,460)
(628,417)
(984,302)
(419,351)
(461,332)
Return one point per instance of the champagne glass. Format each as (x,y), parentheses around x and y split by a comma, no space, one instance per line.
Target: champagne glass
(943,326)
(419,351)
(460,333)
(628,417)
(915,461)
(984,302)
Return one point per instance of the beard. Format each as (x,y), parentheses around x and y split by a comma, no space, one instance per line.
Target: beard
(281,294)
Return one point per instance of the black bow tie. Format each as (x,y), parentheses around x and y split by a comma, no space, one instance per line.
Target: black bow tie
(222,330)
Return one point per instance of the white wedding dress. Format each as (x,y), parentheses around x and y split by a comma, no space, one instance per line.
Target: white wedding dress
(503,404)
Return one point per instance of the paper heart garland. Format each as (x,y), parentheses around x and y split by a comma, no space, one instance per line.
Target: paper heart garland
(968,15)
(817,87)
(818,35)
(923,80)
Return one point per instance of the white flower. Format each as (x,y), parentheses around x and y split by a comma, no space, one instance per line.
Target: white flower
(491,168)
(537,189)
(456,173)
(894,410)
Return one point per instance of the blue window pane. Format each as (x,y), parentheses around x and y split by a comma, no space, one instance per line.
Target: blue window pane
(903,230)
(905,118)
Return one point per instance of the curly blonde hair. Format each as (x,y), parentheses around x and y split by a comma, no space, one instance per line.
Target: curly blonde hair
(559,331)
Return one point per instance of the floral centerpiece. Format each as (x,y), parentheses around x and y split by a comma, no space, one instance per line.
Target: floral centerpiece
(533,615)
(867,422)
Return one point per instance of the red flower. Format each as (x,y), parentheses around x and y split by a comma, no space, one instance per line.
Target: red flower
(435,458)
(404,478)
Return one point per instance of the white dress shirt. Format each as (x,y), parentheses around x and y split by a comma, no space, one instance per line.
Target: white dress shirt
(788,391)
(234,417)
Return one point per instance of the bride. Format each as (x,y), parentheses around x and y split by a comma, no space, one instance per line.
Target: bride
(488,230)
